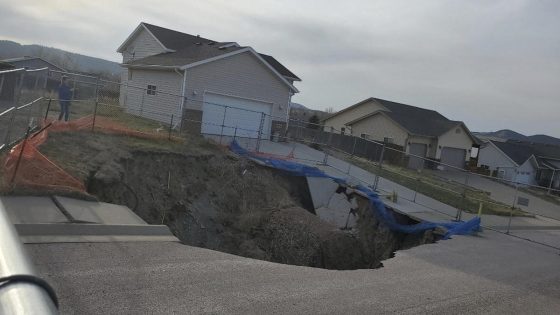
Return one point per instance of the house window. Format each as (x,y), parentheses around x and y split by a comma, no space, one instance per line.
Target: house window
(129,75)
(457,130)
(364,135)
(151,90)
(388,140)
(342,130)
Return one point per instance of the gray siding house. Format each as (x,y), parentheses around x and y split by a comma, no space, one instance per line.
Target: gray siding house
(522,162)
(204,83)
(419,131)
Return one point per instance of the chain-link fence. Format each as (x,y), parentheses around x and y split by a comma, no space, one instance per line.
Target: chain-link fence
(414,184)
(22,102)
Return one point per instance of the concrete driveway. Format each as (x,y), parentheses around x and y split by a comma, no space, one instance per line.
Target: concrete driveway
(504,193)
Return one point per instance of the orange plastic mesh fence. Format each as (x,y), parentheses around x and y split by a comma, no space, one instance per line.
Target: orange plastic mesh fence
(37,171)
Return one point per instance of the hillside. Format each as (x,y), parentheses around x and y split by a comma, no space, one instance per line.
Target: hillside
(507,134)
(67,60)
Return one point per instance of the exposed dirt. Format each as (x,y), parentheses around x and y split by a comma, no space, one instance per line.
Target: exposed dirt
(210,198)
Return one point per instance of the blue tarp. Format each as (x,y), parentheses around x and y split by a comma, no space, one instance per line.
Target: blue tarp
(377,205)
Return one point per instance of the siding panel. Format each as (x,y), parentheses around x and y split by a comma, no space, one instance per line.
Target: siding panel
(241,75)
(159,107)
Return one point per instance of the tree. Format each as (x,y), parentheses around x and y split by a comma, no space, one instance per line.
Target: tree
(313,122)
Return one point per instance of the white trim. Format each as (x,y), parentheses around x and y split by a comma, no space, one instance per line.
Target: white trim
(232,44)
(236,96)
(136,30)
(139,66)
(233,53)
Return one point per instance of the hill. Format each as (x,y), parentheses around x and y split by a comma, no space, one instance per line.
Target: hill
(507,134)
(67,60)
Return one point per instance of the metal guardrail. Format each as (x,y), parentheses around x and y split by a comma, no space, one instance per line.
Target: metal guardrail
(21,291)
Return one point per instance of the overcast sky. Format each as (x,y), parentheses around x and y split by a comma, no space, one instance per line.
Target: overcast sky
(491,64)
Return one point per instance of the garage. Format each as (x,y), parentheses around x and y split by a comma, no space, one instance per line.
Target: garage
(419,149)
(453,156)
(239,116)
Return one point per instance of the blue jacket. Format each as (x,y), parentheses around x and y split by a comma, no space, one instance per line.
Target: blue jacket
(64,92)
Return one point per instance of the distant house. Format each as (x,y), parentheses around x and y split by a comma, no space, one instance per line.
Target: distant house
(29,62)
(217,83)
(522,162)
(419,131)
(33,63)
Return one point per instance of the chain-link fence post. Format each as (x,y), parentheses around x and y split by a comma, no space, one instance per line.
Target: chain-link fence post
(380,167)
(512,207)
(260,133)
(170,127)
(353,146)
(48,109)
(459,215)
(20,155)
(223,123)
(17,95)
(96,103)
(551,181)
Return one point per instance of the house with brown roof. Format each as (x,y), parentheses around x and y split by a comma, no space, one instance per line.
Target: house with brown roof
(421,132)
(204,83)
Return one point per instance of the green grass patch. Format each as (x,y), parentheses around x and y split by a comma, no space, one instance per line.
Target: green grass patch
(449,192)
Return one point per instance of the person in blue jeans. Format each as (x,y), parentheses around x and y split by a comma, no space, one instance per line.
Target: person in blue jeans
(64,96)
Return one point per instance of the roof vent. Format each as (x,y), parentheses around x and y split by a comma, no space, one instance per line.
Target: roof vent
(211,43)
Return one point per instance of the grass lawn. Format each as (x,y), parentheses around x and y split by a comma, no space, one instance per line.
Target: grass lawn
(448,192)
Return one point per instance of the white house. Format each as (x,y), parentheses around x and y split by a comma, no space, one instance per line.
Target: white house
(204,84)
(510,160)
(421,132)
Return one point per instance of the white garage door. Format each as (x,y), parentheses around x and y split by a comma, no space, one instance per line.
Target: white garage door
(239,116)
(453,156)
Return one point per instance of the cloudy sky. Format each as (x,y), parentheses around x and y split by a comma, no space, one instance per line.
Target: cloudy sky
(492,64)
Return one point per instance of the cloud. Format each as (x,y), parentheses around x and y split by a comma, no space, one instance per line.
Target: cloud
(492,64)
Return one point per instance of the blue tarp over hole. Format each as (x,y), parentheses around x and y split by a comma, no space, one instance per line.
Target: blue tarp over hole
(376,204)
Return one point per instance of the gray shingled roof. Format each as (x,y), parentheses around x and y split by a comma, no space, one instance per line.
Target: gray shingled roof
(418,121)
(189,49)
(519,152)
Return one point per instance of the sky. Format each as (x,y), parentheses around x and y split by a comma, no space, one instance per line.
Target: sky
(492,64)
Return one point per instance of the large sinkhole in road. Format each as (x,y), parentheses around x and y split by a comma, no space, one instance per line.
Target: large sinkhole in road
(233,205)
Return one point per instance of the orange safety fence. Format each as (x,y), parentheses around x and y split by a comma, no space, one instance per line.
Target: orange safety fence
(35,170)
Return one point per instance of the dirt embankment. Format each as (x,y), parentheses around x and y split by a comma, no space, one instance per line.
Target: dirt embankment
(212,199)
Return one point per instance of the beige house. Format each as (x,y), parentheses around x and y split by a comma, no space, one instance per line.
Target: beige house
(419,131)
(204,84)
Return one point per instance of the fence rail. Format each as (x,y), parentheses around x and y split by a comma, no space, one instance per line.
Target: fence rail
(165,112)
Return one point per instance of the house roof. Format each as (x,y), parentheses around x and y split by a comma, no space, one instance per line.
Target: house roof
(519,151)
(6,66)
(516,152)
(183,49)
(15,61)
(416,120)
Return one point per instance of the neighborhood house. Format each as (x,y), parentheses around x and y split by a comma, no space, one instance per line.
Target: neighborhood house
(218,83)
(521,162)
(421,132)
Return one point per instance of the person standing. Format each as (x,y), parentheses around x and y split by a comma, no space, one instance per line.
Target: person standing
(64,96)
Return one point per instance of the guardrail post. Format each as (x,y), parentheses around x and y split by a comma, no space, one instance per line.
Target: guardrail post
(512,207)
(353,147)
(27,297)
(463,199)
